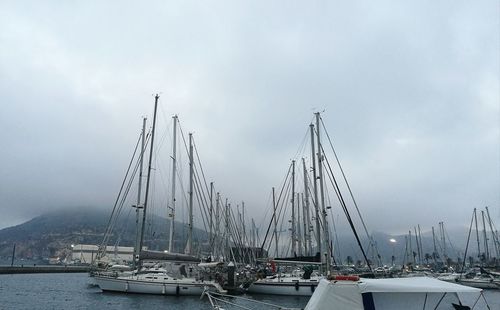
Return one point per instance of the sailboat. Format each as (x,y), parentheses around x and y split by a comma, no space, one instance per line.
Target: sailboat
(173,273)
(298,282)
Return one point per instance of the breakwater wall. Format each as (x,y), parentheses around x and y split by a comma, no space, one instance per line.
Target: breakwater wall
(43,269)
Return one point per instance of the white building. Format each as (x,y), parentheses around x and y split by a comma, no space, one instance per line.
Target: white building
(86,253)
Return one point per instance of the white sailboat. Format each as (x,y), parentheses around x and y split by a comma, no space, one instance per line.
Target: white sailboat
(164,281)
(292,284)
(156,283)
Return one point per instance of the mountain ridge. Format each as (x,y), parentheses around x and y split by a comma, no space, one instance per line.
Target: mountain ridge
(53,233)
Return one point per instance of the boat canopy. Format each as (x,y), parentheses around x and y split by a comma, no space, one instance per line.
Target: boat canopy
(387,294)
(412,285)
(157,255)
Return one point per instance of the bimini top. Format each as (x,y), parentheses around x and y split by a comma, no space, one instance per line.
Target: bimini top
(412,285)
(388,294)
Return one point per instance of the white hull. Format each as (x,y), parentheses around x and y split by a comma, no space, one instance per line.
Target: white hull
(133,284)
(286,286)
(480,283)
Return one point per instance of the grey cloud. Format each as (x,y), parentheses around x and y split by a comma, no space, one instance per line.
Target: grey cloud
(410,93)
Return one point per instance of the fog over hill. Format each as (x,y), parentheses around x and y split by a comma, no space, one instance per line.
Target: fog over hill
(53,233)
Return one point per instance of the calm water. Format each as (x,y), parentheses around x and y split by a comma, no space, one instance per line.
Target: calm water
(75,291)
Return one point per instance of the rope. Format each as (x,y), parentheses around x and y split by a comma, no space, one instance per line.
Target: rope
(244,298)
(349,189)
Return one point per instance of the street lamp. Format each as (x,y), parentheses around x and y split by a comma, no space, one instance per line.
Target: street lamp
(393,243)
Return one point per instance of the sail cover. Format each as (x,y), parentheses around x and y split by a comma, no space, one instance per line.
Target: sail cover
(387,294)
(157,255)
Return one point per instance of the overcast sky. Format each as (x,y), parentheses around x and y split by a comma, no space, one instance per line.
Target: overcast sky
(410,93)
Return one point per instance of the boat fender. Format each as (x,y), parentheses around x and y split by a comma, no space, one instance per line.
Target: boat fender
(297,286)
(312,288)
(273,266)
(126,286)
(163,290)
(177,290)
(346,278)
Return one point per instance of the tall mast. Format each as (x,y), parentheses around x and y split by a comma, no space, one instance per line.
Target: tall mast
(299,233)
(211,215)
(477,234)
(294,234)
(443,237)
(495,239)
(326,234)
(305,226)
(239,226)
(411,248)
(254,235)
(434,253)
(407,254)
(245,239)
(143,225)
(189,246)
(174,171)
(226,233)
(418,246)
(217,225)
(315,185)
(486,250)
(138,207)
(275,225)
(307,221)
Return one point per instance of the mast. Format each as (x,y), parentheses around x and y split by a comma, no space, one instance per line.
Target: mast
(189,246)
(406,257)
(174,171)
(275,225)
(143,225)
(239,227)
(306,219)
(217,225)
(245,239)
(486,250)
(299,233)
(138,206)
(304,224)
(411,248)
(326,235)
(443,240)
(495,239)
(420,244)
(477,235)
(315,185)
(211,214)
(294,235)
(228,250)
(254,235)
(434,253)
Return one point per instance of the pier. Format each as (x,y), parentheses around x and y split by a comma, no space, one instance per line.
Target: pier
(43,269)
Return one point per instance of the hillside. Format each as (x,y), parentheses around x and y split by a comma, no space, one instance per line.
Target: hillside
(53,233)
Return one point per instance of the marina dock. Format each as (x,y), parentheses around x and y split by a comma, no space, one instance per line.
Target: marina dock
(43,269)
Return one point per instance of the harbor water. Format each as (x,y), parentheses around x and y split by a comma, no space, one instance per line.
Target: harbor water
(77,291)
